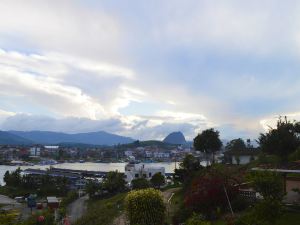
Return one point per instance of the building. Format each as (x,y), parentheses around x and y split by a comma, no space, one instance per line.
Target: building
(139,170)
(35,151)
(241,157)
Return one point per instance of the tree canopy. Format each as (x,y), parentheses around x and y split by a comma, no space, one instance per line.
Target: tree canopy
(236,145)
(208,141)
(157,180)
(282,140)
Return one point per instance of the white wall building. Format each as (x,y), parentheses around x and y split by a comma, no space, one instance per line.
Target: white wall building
(134,171)
(35,151)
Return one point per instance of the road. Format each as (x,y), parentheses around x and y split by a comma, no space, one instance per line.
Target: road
(77,208)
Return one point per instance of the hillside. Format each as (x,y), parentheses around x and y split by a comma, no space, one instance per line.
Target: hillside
(92,138)
(176,138)
(7,138)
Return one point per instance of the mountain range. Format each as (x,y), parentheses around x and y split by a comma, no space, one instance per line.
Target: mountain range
(53,138)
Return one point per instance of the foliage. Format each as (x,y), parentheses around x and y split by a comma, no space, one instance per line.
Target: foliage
(197,220)
(26,183)
(187,168)
(294,156)
(33,220)
(114,182)
(265,212)
(282,140)
(207,195)
(157,180)
(92,187)
(102,212)
(70,197)
(140,183)
(235,145)
(268,184)
(208,141)
(145,207)
(7,218)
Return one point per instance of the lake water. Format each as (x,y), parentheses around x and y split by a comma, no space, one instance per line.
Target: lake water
(169,167)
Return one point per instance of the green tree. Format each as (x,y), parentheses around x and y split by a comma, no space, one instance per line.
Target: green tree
(140,183)
(208,142)
(187,168)
(114,182)
(294,156)
(145,207)
(92,187)
(236,145)
(268,184)
(282,140)
(197,220)
(157,180)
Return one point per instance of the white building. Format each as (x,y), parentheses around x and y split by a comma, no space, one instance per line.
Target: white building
(35,151)
(134,171)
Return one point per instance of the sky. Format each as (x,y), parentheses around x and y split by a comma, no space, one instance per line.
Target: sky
(146,68)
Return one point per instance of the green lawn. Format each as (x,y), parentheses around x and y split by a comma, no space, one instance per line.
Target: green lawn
(103,212)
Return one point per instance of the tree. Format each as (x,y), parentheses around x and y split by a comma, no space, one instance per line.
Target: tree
(140,183)
(187,168)
(157,180)
(282,140)
(145,207)
(235,145)
(208,142)
(207,194)
(92,187)
(114,182)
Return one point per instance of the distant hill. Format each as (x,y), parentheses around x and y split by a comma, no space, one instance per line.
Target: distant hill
(91,138)
(175,138)
(7,138)
(148,143)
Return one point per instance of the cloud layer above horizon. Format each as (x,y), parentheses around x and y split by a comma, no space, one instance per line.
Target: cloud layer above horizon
(146,68)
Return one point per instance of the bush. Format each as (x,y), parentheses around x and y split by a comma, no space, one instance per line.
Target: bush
(207,195)
(197,220)
(140,183)
(145,207)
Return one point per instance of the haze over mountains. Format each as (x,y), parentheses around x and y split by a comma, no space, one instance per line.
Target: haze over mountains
(90,138)
(51,138)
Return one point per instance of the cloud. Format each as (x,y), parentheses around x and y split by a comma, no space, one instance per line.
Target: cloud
(146,69)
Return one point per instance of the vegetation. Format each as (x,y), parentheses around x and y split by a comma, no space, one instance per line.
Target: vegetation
(114,182)
(102,212)
(145,207)
(236,145)
(140,183)
(282,140)
(208,142)
(157,180)
(188,167)
(16,184)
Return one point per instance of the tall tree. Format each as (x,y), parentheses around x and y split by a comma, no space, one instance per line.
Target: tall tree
(282,140)
(236,145)
(208,142)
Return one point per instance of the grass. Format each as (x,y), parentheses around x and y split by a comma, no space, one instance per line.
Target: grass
(103,212)
(290,218)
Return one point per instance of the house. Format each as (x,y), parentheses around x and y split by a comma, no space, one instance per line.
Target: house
(241,157)
(35,151)
(138,170)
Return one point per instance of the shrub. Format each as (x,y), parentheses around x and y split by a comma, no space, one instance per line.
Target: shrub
(140,183)
(207,195)
(145,207)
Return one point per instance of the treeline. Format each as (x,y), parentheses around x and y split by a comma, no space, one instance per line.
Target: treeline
(43,185)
